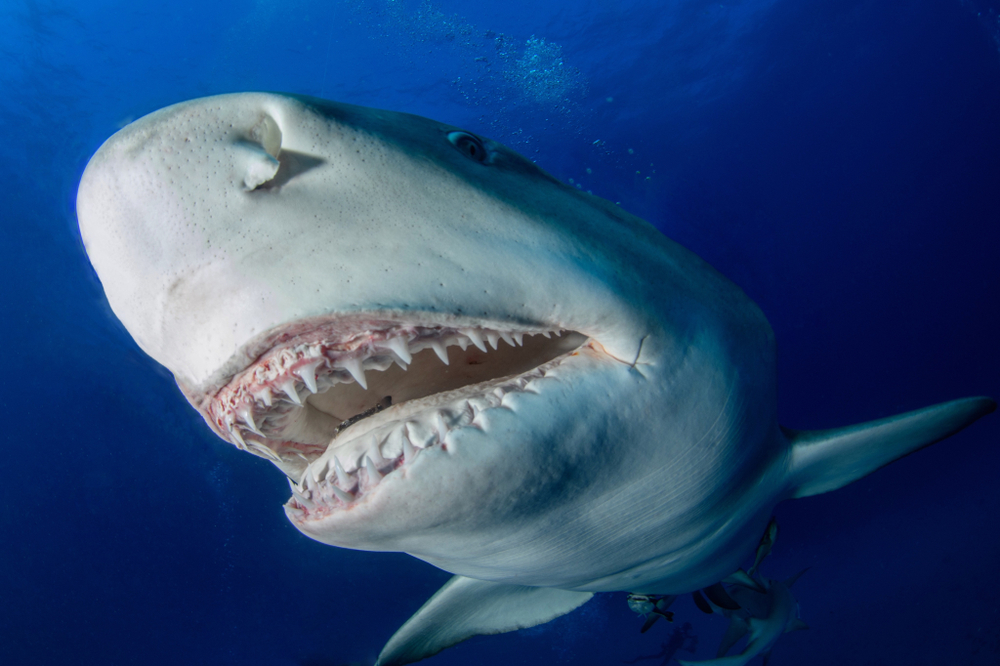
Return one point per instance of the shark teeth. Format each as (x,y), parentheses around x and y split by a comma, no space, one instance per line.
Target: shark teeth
(282,380)
(308,374)
(342,495)
(391,447)
(375,455)
(288,386)
(400,348)
(373,474)
(356,369)
(342,476)
(440,350)
(476,337)
(303,501)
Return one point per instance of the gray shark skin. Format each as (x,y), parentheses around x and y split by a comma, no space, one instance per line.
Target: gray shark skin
(575,403)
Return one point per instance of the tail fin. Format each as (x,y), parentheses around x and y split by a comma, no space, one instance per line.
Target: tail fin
(824,460)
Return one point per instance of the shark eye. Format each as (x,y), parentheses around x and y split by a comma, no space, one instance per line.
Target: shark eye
(469,145)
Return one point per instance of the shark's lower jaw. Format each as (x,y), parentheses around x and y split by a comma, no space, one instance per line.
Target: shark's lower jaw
(340,412)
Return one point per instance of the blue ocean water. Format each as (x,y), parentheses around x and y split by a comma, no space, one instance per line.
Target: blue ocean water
(838,159)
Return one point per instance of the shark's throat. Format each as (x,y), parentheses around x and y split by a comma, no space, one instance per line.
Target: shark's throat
(373,394)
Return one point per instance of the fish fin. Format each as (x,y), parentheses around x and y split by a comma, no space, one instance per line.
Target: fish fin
(700,602)
(743,579)
(650,620)
(788,582)
(718,596)
(731,660)
(796,625)
(466,607)
(736,630)
(755,646)
(765,545)
(664,603)
(824,460)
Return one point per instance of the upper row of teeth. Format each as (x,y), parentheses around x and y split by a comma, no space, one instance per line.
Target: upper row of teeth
(297,369)
(328,478)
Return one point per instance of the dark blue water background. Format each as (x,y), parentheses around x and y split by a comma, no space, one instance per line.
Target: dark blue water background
(839,159)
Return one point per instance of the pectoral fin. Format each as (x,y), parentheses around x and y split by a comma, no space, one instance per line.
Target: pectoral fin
(824,460)
(737,629)
(700,602)
(650,620)
(466,607)
(796,625)
(791,580)
(718,596)
(743,579)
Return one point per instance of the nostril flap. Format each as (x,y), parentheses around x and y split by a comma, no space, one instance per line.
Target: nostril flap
(268,135)
(260,169)
(265,137)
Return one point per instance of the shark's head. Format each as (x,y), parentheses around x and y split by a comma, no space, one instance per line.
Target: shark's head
(451,353)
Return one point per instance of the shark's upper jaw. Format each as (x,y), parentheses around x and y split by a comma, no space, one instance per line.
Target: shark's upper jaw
(358,387)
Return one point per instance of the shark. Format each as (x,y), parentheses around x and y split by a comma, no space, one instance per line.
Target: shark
(762,607)
(764,616)
(450,353)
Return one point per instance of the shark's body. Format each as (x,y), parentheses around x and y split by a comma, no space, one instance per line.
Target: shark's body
(764,616)
(286,258)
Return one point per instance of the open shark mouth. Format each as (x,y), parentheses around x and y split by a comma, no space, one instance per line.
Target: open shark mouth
(341,412)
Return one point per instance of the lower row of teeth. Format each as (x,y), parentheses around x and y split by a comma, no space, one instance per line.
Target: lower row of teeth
(314,369)
(327,483)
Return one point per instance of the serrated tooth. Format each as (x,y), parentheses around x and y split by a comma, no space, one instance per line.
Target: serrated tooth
(392,446)
(440,350)
(264,451)
(519,339)
(408,451)
(463,342)
(476,338)
(292,485)
(288,386)
(494,338)
(308,481)
(439,423)
(295,511)
(353,366)
(547,334)
(400,348)
(245,413)
(342,477)
(303,500)
(558,333)
(375,454)
(479,403)
(264,395)
(505,336)
(419,434)
(308,375)
(342,495)
(317,471)
(373,474)
(234,432)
